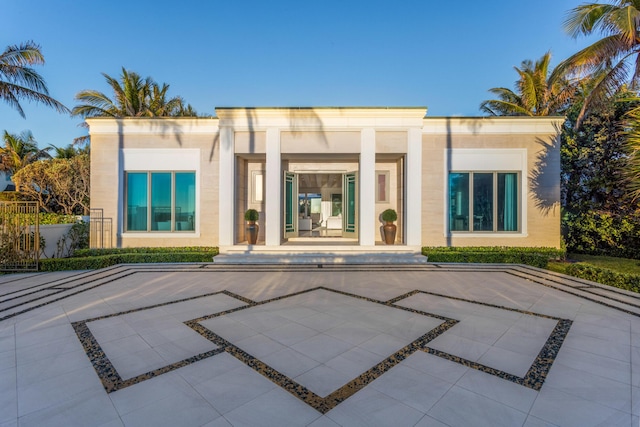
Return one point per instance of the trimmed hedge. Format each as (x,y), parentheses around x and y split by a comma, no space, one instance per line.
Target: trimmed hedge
(114,251)
(102,261)
(629,282)
(536,257)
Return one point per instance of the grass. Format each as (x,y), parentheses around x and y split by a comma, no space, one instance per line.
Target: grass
(620,265)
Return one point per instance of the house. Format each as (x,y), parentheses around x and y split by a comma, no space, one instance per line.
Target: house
(322,177)
(5,182)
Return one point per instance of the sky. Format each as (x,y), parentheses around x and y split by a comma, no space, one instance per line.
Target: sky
(230,53)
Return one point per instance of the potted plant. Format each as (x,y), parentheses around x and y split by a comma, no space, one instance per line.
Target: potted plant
(252,228)
(389,228)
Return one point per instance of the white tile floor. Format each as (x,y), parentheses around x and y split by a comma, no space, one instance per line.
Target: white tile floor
(321,340)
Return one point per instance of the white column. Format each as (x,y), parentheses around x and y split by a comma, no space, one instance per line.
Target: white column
(367,179)
(273,201)
(226,187)
(413,186)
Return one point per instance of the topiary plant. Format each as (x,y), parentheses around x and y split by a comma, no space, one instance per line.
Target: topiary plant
(251,215)
(389,215)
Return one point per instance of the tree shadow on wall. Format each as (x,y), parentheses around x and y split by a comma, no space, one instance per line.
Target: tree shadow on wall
(544,178)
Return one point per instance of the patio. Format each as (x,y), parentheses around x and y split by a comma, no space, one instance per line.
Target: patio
(318,345)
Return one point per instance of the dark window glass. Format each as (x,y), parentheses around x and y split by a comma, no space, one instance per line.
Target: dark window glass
(459,201)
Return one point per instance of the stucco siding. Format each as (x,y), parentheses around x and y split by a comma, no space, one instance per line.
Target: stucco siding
(107,174)
(541,177)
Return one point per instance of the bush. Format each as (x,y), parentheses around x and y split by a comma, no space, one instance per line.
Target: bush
(251,215)
(389,215)
(630,282)
(536,257)
(112,251)
(601,233)
(102,261)
(46,218)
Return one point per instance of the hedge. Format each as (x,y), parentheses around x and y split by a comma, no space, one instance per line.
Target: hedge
(537,257)
(629,282)
(114,251)
(95,262)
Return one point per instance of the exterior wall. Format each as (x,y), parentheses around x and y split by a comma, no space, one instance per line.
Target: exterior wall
(540,226)
(110,139)
(413,150)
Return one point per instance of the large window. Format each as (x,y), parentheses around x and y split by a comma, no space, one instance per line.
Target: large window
(483,201)
(160,201)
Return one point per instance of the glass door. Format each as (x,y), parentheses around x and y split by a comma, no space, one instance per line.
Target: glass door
(290,205)
(350,205)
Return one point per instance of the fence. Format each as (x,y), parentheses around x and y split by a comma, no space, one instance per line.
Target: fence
(100,231)
(19,236)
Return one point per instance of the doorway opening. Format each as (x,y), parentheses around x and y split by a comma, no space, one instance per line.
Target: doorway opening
(320,207)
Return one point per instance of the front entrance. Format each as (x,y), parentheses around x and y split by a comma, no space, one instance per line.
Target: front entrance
(320,205)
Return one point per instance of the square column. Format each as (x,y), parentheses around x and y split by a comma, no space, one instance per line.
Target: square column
(273,200)
(226,187)
(367,180)
(413,185)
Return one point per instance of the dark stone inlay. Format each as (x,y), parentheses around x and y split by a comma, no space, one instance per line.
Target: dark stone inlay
(532,278)
(112,381)
(112,279)
(509,269)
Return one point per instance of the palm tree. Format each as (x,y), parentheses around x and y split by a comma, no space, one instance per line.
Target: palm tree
(612,61)
(133,96)
(19,151)
(19,81)
(68,152)
(537,92)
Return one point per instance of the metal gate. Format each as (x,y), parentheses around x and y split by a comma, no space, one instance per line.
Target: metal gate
(99,230)
(19,236)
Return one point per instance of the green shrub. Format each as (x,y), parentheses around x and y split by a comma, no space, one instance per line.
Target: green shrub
(537,257)
(601,233)
(47,218)
(102,261)
(389,215)
(251,215)
(111,251)
(630,282)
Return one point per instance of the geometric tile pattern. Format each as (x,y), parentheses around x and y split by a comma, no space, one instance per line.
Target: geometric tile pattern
(533,379)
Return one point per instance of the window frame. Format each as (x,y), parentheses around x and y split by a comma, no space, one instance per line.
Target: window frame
(495,188)
(149,197)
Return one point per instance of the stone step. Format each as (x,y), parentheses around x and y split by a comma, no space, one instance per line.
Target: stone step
(320,258)
(336,249)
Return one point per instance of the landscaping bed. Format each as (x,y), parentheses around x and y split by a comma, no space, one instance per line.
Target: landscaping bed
(90,259)
(536,257)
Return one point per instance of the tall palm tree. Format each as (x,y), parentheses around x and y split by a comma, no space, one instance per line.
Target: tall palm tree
(613,60)
(133,96)
(19,81)
(19,151)
(537,92)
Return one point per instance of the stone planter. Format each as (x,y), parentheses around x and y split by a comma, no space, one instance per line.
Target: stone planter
(389,229)
(251,232)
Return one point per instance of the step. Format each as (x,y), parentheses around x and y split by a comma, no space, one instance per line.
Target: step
(320,258)
(332,250)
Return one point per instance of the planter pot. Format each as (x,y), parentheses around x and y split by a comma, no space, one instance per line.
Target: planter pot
(251,232)
(389,233)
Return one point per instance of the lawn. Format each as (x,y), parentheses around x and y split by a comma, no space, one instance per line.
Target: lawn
(620,265)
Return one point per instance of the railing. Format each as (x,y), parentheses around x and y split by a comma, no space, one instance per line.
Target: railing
(19,236)
(100,230)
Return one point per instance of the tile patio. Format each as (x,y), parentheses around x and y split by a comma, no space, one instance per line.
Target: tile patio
(317,345)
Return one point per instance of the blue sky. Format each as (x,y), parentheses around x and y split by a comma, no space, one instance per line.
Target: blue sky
(443,55)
